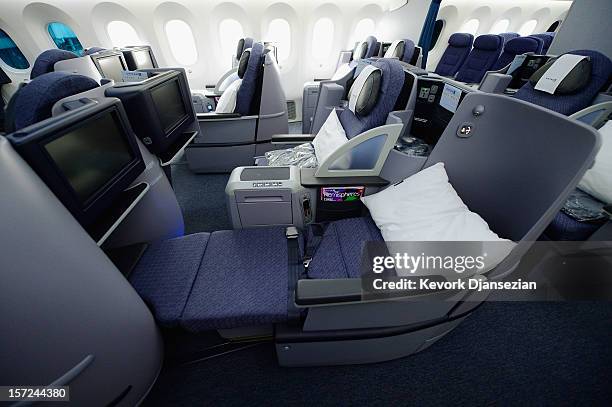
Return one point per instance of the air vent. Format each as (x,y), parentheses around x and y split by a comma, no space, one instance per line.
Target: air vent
(291,110)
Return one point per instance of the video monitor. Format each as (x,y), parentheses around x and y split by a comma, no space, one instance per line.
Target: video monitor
(139,58)
(86,156)
(159,108)
(110,65)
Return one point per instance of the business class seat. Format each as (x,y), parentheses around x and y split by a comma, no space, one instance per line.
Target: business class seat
(232,75)
(228,140)
(517,46)
(459,46)
(487,49)
(375,100)
(565,227)
(45,62)
(402,50)
(547,39)
(253,277)
(33,102)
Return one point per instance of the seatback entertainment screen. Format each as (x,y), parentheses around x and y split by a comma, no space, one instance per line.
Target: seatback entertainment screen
(111,68)
(91,156)
(169,105)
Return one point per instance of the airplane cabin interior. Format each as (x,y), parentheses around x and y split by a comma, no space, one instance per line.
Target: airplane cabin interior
(297,202)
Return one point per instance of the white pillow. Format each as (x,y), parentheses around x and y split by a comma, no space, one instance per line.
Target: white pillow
(425,207)
(598,180)
(228,81)
(330,137)
(227,101)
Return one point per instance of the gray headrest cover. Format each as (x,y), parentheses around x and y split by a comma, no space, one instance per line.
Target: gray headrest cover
(395,50)
(364,92)
(576,79)
(360,51)
(244,62)
(240,48)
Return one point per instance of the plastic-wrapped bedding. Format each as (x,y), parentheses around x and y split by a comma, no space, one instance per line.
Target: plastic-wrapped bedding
(302,156)
(414,146)
(583,207)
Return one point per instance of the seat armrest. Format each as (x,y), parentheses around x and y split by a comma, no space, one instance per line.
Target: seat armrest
(292,138)
(328,291)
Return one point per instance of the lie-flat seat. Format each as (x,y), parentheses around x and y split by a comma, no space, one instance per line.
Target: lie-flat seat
(248,113)
(216,280)
(565,227)
(517,46)
(376,99)
(480,60)
(403,50)
(46,61)
(247,277)
(33,102)
(459,47)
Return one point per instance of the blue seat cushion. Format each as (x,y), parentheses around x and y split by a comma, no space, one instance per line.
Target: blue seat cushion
(517,46)
(165,274)
(339,252)
(242,281)
(34,102)
(601,69)
(459,46)
(566,228)
(45,62)
(248,91)
(485,53)
(225,279)
(390,88)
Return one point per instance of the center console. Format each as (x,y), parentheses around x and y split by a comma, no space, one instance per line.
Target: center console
(289,196)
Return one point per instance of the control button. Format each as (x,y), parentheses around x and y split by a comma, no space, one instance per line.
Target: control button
(434,89)
(267,184)
(465,130)
(431,98)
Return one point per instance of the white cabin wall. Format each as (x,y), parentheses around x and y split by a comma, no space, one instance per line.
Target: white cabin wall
(405,22)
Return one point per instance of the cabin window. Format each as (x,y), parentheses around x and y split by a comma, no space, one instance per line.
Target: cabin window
(279,32)
(528,27)
(553,27)
(122,34)
(363,28)
(230,32)
(182,43)
(64,38)
(471,26)
(10,53)
(500,26)
(438,27)
(322,38)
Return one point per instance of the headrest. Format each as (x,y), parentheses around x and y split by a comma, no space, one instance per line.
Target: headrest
(395,50)
(244,62)
(251,82)
(371,46)
(360,51)
(33,102)
(45,61)
(508,36)
(243,43)
(522,44)
(364,92)
(488,42)
(461,40)
(576,79)
(93,50)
